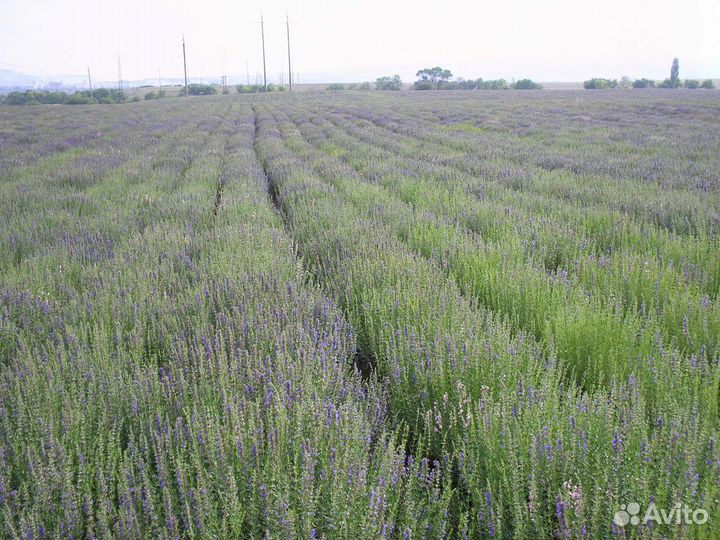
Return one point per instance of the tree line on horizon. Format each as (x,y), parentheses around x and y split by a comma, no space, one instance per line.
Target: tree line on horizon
(435,78)
(438,78)
(673,81)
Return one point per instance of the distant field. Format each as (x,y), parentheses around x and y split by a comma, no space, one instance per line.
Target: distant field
(361,315)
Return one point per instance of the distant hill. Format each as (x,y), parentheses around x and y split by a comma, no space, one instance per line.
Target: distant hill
(8,77)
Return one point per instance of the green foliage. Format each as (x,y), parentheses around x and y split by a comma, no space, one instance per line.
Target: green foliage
(643,83)
(675,73)
(708,84)
(526,84)
(257,88)
(600,84)
(197,89)
(248,89)
(464,84)
(30,97)
(497,84)
(78,99)
(674,80)
(436,76)
(423,85)
(389,83)
(151,95)
(336,86)
(692,84)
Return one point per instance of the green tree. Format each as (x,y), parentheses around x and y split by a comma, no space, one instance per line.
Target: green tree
(643,83)
(675,73)
(600,84)
(526,84)
(437,76)
(674,80)
(389,83)
(708,84)
(197,89)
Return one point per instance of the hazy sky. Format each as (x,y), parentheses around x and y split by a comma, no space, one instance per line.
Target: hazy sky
(546,40)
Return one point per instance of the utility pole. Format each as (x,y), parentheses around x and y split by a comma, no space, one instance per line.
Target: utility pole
(185,67)
(247,72)
(90,83)
(287,22)
(262,33)
(120,81)
(223,78)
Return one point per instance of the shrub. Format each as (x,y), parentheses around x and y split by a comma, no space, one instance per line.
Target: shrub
(196,89)
(35,97)
(389,83)
(254,88)
(423,85)
(526,84)
(364,86)
(643,83)
(336,86)
(135,99)
(501,84)
(150,95)
(707,84)
(600,84)
(692,84)
(78,99)
(497,84)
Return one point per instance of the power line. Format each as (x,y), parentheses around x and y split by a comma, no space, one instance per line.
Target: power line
(8,64)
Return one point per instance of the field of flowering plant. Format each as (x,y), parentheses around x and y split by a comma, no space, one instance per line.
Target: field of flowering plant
(360,315)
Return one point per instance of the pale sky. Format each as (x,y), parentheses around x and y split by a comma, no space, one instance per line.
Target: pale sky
(340,40)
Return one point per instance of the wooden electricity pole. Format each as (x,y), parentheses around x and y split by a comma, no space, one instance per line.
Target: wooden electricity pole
(287,22)
(90,83)
(185,67)
(262,33)
(120,81)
